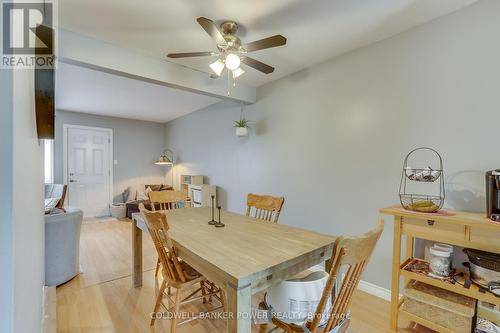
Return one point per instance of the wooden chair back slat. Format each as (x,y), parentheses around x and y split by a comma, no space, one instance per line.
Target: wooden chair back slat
(353,253)
(167,254)
(166,200)
(264,207)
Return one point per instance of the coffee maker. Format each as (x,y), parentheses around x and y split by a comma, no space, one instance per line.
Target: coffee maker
(493,195)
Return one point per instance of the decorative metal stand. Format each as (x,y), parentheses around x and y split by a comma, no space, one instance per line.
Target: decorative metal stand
(212,221)
(219,224)
(430,181)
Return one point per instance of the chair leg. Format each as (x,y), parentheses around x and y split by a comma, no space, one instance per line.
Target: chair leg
(173,324)
(157,267)
(203,291)
(158,302)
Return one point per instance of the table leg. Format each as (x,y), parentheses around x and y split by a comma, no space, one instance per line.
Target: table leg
(136,254)
(409,247)
(396,262)
(239,304)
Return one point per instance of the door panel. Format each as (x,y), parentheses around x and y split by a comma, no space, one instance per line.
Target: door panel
(89,170)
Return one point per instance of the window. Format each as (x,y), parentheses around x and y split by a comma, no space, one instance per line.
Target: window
(48,161)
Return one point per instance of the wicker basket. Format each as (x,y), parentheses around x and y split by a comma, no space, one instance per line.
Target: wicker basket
(118,211)
(442,307)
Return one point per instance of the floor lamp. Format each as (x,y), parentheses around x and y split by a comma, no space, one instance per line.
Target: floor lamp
(167,158)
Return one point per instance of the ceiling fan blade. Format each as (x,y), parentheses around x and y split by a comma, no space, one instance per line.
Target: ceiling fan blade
(266,43)
(191,54)
(260,66)
(210,27)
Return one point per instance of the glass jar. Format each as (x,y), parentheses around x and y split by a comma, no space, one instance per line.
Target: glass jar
(439,261)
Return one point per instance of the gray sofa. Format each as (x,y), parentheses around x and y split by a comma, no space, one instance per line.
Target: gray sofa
(62,246)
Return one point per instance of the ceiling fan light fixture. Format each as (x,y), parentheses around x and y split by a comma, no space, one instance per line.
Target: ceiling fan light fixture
(238,72)
(232,61)
(217,67)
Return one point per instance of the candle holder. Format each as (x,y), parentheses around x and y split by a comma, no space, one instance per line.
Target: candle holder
(212,221)
(219,224)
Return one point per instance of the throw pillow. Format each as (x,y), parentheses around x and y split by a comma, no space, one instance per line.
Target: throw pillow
(129,194)
(148,190)
(166,187)
(141,193)
(154,187)
(51,203)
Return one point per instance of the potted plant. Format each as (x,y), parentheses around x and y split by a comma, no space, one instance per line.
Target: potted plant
(242,126)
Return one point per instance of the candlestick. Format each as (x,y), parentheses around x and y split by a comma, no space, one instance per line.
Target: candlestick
(219,224)
(212,221)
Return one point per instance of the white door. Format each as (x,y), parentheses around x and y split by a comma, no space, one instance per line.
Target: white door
(89,170)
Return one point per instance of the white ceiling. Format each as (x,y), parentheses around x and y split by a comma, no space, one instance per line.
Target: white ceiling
(316,30)
(89,91)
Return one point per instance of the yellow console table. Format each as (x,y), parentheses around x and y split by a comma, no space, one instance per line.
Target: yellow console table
(472,230)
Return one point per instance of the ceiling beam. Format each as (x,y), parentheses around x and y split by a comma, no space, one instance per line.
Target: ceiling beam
(87,52)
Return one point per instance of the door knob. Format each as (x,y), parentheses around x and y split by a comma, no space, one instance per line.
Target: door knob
(71,174)
(72,181)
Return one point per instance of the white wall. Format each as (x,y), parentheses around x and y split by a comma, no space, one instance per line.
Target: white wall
(6,225)
(28,211)
(136,146)
(21,200)
(332,138)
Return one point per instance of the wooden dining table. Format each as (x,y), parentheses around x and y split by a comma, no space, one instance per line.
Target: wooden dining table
(243,258)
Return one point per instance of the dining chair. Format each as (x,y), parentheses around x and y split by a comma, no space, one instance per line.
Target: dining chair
(349,259)
(176,273)
(165,200)
(264,207)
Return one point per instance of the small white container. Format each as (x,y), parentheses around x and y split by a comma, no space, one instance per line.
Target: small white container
(296,299)
(440,260)
(241,131)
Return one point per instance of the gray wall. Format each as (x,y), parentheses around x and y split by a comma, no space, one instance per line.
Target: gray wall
(136,145)
(332,138)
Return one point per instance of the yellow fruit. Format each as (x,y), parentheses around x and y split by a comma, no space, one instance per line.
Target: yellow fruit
(425,206)
(422,203)
(425,209)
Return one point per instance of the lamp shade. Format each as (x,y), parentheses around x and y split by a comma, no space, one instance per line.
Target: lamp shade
(232,61)
(238,72)
(217,67)
(164,159)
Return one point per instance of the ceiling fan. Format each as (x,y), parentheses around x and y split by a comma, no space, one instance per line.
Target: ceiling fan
(231,52)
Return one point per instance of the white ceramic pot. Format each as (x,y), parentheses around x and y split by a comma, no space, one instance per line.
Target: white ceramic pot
(241,131)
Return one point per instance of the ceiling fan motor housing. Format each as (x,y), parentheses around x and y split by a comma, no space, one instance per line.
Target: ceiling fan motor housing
(229,27)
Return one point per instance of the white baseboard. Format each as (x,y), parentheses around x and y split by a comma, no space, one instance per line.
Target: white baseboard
(49,310)
(374,290)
